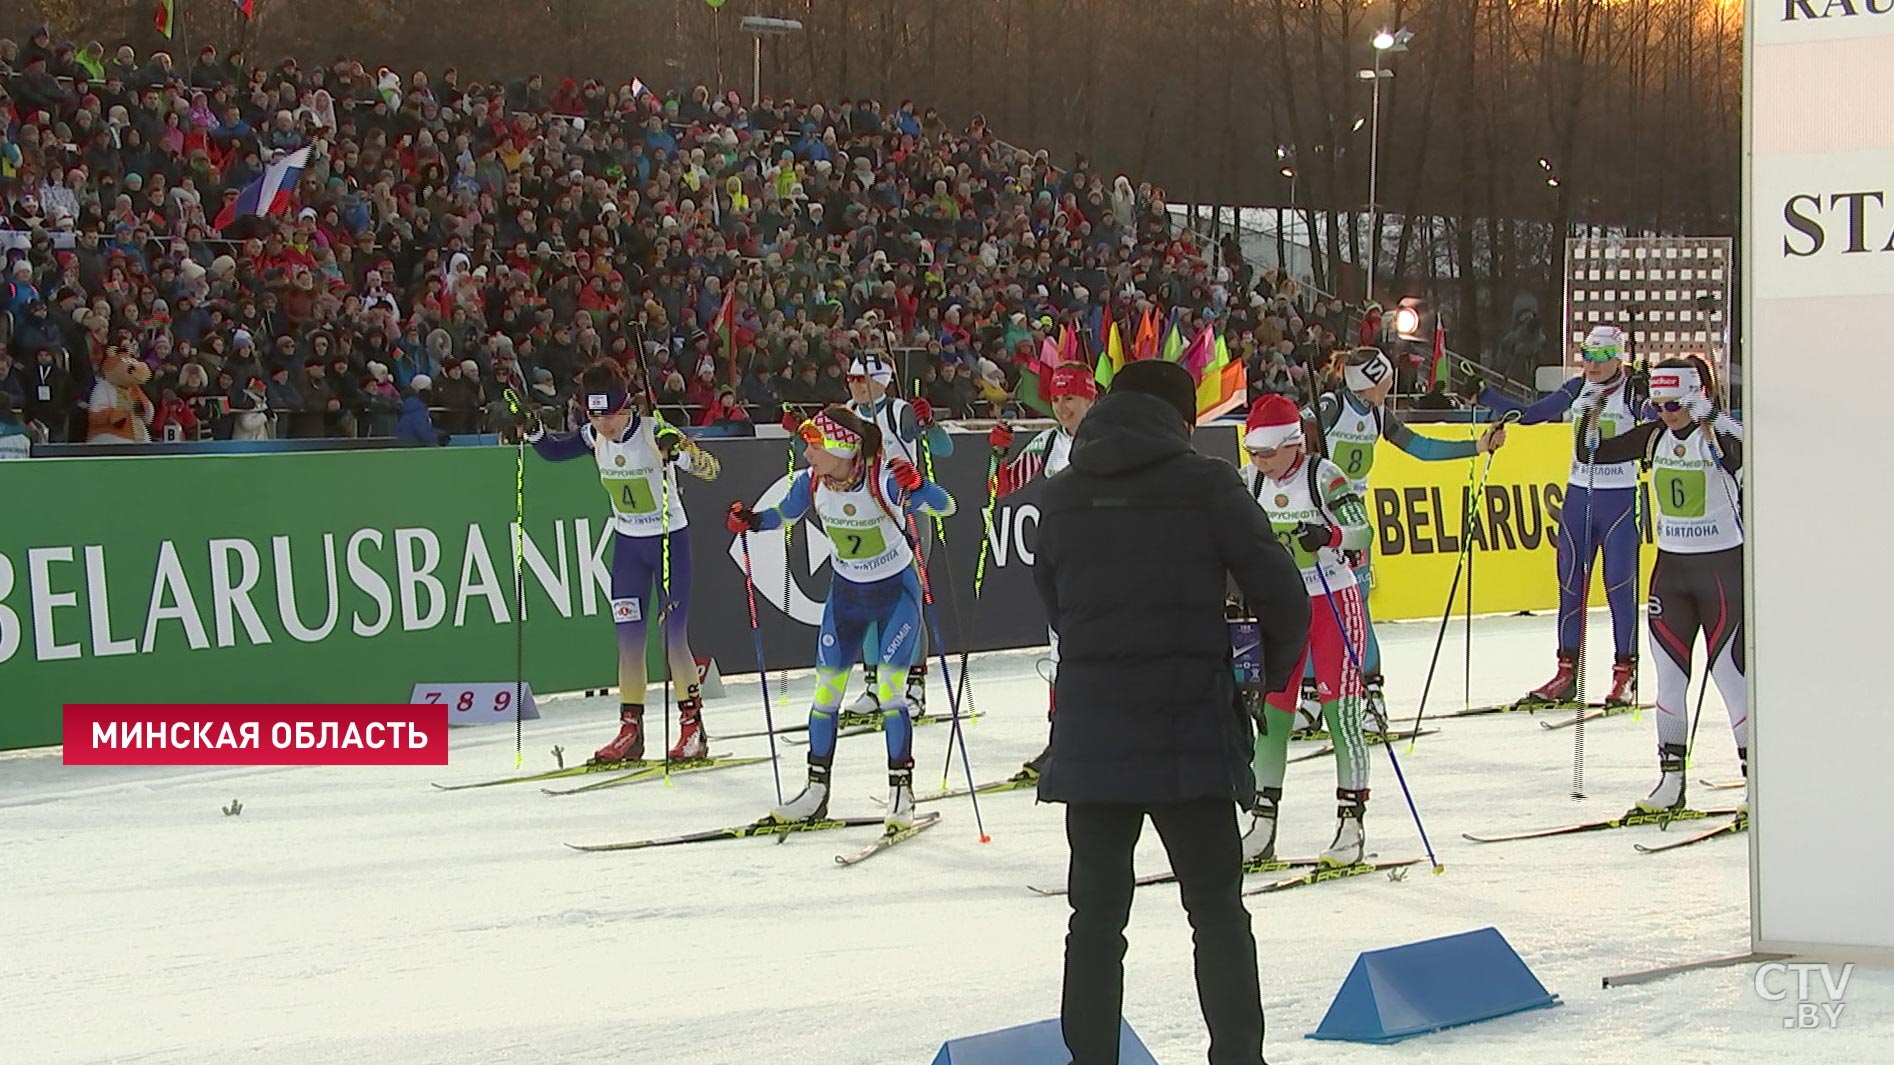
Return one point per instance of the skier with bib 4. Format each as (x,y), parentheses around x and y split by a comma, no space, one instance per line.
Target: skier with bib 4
(866,501)
(638,456)
(1319,518)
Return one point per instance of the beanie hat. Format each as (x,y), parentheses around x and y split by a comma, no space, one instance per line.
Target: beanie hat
(1273,422)
(1167,381)
(421,382)
(1366,368)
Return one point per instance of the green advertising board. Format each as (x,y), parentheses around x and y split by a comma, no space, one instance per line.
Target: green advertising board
(209,579)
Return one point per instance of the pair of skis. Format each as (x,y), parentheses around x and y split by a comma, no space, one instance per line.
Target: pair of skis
(1630,819)
(633,770)
(1372,738)
(890,837)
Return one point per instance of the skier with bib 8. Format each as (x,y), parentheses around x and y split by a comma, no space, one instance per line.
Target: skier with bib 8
(1353,419)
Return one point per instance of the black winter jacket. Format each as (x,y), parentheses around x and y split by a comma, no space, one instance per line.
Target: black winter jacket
(1138,540)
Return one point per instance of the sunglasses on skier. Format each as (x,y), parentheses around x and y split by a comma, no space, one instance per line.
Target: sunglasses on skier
(1270,452)
(1600,354)
(1670,406)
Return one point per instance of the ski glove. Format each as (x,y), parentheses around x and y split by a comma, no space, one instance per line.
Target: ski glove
(1000,437)
(742,519)
(923,412)
(792,423)
(905,475)
(1315,537)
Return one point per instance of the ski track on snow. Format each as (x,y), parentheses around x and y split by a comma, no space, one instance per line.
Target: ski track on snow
(358,914)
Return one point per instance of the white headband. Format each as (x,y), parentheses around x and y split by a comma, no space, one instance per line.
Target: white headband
(872,368)
(1675,383)
(1272,436)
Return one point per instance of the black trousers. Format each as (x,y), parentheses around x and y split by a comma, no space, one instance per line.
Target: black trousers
(1205,849)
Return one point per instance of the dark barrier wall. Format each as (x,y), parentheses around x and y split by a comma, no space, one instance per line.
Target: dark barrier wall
(351,576)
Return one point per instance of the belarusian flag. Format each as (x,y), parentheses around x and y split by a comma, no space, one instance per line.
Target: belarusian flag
(165,17)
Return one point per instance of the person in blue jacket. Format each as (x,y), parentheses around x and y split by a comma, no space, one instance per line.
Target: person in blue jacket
(1598,514)
(416,426)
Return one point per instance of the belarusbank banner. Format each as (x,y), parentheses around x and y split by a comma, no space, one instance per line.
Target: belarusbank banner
(351,576)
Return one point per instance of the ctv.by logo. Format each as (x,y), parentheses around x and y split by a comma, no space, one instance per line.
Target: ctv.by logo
(1773,983)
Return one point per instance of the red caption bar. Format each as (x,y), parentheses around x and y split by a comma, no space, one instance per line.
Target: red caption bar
(255,734)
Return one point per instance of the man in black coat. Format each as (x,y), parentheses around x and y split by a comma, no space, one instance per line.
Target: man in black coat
(1138,540)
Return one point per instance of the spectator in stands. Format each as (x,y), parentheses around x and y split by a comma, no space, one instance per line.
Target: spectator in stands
(416,428)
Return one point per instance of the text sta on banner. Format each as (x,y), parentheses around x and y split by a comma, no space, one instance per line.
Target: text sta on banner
(217,734)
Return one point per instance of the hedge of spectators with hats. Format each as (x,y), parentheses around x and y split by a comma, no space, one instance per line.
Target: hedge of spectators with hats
(287,249)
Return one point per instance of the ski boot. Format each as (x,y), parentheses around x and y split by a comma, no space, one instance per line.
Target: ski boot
(811,805)
(867,706)
(1562,688)
(900,801)
(1742,808)
(1308,724)
(628,745)
(1030,769)
(693,743)
(917,693)
(1350,843)
(1374,704)
(1624,681)
(1259,843)
(1668,796)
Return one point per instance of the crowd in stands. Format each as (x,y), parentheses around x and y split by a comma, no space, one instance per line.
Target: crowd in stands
(450,241)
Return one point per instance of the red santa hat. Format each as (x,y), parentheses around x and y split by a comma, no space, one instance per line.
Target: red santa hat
(1273,422)
(1073,379)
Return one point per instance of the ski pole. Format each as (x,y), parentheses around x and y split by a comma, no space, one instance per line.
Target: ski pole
(1707,427)
(519,585)
(1355,660)
(762,674)
(953,698)
(1582,571)
(1446,614)
(965,684)
(664,609)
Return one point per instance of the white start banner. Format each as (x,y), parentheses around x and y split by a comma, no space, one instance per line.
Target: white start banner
(1818,280)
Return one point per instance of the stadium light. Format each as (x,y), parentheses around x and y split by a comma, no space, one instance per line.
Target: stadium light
(1407,319)
(760,27)
(1383,42)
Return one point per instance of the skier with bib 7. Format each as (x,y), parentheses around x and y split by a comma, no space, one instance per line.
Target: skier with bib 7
(866,501)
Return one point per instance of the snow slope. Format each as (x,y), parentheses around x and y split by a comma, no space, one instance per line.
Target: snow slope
(358,915)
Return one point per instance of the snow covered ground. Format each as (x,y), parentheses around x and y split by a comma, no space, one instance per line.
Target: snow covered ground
(358,915)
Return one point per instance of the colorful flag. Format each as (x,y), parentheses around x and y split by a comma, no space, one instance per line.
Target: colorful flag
(1437,373)
(248,7)
(724,328)
(1145,345)
(165,17)
(1112,358)
(270,193)
(1202,348)
(1223,385)
(1029,390)
(1173,343)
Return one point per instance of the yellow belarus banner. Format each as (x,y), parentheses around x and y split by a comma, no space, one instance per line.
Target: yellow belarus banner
(1419,512)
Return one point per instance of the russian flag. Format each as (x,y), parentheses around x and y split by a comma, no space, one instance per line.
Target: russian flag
(269,194)
(248,7)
